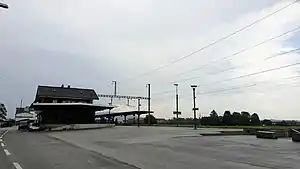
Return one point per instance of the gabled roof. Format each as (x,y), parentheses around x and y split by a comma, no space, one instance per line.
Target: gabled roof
(65,92)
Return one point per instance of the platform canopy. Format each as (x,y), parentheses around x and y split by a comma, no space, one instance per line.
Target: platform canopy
(125,113)
(96,107)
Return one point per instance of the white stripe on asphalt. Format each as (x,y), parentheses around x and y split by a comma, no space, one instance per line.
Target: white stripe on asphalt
(17,166)
(0,140)
(3,134)
(2,145)
(6,152)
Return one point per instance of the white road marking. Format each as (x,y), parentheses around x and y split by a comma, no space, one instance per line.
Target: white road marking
(2,145)
(3,134)
(6,152)
(0,140)
(17,166)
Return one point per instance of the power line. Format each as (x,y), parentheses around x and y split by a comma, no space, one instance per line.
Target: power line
(235,88)
(250,85)
(257,73)
(283,53)
(245,86)
(161,93)
(236,53)
(247,75)
(197,77)
(217,41)
(232,88)
(241,51)
(267,58)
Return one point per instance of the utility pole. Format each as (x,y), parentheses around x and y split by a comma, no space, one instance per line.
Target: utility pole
(139,109)
(111,99)
(194,109)
(176,102)
(115,91)
(149,90)
(115,87)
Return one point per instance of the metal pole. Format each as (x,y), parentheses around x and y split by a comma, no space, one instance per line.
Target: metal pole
(194,109)
(109,116)
(195,127)
(149,103)
(176,86)
(111,100)
(139,104)
(139,109)
(115,87)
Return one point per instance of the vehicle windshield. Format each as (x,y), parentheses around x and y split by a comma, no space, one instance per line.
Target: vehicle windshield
(149,84)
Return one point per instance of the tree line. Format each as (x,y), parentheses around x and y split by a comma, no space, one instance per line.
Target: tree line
(243,118)
(231,119)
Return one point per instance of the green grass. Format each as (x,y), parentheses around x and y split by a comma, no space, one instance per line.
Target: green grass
(253,127)
(233,127)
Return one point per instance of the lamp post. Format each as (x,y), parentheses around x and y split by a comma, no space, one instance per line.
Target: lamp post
(3,5)
(149,98)
(176,102)
(194,109)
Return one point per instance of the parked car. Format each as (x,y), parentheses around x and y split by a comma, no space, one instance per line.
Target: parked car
(23,125)
(34,127)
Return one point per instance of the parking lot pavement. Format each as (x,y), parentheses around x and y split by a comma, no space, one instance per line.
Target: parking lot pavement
(5,162)
(38,150)
(159,147)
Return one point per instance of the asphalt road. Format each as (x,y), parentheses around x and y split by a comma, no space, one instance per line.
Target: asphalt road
(145,147)
(184,148)
(38,150)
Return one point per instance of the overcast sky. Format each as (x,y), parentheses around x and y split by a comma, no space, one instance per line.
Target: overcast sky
(90,43)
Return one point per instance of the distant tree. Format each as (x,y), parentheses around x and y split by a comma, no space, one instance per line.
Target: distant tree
(152,119)
(213,114)
(236,118)
(205,121)
(214,118)
(282,123)
(254,120)
(267,122)
(227,120)
(245,118)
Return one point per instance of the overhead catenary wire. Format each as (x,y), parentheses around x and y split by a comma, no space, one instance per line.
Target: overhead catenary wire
(247,75)
(216,41)
(257,73)
(241,51)
(267,58)
(276,87)
(255,84)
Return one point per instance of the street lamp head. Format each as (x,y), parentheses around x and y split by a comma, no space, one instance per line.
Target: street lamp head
(176,84)
(3,5)
(194,86)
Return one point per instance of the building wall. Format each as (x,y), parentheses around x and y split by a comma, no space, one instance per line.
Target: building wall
(67,115)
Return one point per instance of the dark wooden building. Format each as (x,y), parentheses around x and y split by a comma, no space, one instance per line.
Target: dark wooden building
(66,105)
